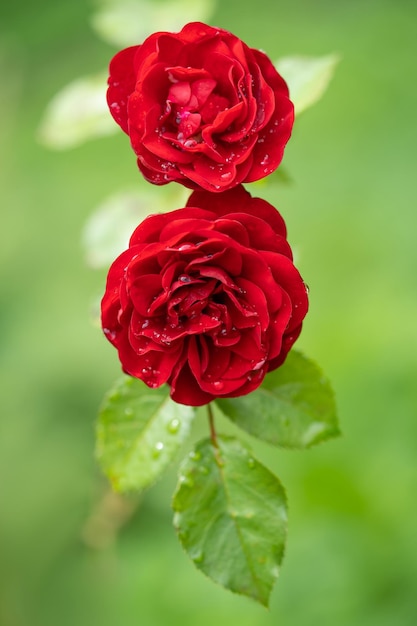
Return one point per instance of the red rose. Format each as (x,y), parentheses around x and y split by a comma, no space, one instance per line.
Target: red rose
(206,298)
(200,108)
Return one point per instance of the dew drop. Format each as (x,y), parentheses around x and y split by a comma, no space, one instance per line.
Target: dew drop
(265,160)
(199,557)
(259,365)
(218,385)
(184,278)
(195,456)
(186,481)
(165,339)
(174,426)
(156,453)
(251,463)
(129,412)
(226,176)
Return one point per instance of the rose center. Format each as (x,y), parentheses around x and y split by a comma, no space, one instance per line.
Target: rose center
(191,104)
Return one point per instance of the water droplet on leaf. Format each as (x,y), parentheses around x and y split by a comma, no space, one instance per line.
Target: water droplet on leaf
(159,446)
(186,481)
(174,426)
(198,558)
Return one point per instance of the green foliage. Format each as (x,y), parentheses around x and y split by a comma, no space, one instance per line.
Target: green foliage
(307,78)
(129,22)
(294,407)
(76,114)
(108,230)
(139,433)
(231,517)
(230,511)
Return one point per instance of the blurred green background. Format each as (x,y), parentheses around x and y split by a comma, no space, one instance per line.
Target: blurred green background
(352,546)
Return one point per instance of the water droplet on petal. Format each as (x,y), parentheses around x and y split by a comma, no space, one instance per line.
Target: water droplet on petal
(218,385)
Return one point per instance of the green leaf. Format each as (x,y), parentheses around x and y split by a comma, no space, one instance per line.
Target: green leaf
(231,517)
(77,113)
(280,176)
(129,22)
(108,230)
(139,432)
(307,78)
(293,408)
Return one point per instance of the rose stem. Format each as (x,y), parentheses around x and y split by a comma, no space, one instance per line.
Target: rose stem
(213,435)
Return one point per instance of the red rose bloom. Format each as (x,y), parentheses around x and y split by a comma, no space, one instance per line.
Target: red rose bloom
(206,298)
(200,108)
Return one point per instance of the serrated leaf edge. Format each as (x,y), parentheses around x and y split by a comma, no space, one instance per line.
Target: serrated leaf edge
(115,477)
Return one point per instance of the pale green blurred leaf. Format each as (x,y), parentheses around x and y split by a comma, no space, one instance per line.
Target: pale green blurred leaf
(77,113)
(294,407)
(129,22)
(231,517)
(107,232)
(307,77)
(139,432)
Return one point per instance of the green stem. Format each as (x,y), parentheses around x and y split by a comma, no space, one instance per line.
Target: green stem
(213,434)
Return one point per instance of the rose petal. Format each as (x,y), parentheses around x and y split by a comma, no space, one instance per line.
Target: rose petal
(185,389)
